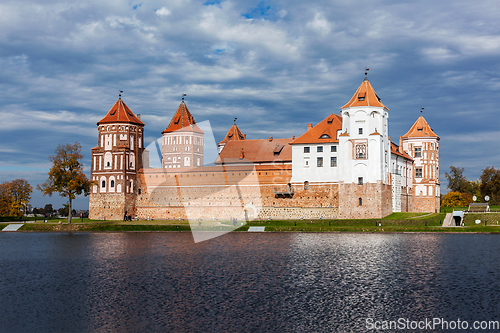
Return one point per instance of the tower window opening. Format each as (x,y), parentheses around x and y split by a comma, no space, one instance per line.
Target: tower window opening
(112,183)
(360,202)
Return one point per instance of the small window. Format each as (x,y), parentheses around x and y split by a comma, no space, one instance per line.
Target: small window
(360,180)
(103,184)
(360,130)
(333,161)
(320,162)
(307,149)
(361,96)
(187,148)
(325,136)
(306,162)
(333,149)
(112,183)
(418,172)
(360,202)
(108,164)
(418,152)
(139,191)
(319,149)
(306,185)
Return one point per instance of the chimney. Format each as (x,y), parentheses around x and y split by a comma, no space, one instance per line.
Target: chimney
(242,154)
(245,136)
(270,138)
(293,137)
(139,116)
(309,127)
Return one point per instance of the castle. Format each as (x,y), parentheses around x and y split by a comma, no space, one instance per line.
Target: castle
(346,166)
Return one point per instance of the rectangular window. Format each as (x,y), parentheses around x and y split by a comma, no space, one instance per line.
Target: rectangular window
(333,149)
(320,162)
(360,130)
(360,180)
(333,161)
(306,149)
(306,162)
(418,152)
(418,172)
(319,149)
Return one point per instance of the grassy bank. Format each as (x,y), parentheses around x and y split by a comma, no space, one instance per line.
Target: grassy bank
(396,222)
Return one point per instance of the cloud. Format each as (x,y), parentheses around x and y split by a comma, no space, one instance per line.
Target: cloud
(275,65)
(163,12)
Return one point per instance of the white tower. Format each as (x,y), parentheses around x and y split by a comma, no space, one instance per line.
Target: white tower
(364,156)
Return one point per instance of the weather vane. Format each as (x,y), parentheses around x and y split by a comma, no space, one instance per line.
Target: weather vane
(120,94)
(421,110)
(235,120)
(183,95)
(366,71)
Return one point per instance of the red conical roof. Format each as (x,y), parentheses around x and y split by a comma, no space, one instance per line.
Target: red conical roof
(365,96)
(420,129)
(234,133)
(120,113)
(182,121)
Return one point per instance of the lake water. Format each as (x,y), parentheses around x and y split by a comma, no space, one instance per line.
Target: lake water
(243,282)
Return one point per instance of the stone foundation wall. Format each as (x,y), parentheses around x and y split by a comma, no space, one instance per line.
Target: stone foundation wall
(376,200)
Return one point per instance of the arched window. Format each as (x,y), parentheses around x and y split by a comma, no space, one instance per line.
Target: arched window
(306,185)
(103,184)
(360,202)
(112,183)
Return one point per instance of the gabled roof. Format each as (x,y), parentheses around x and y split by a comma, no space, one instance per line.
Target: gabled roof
(365,96)
(120,113)
(395,150)
(324,132)
(420,129)
(257,151)
(182,121)
(234,133)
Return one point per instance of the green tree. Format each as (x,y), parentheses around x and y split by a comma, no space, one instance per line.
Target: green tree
(48,209)
(490,184)
(66,176)
(456,180)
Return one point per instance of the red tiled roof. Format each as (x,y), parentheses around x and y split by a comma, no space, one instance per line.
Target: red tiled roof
(182,121)
(234,133)
(324,132)
(395,150)
(120,113)
(420,129)
(256,151)
(365,96)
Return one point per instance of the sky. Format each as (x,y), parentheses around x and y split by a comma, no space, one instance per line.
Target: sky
(275,65)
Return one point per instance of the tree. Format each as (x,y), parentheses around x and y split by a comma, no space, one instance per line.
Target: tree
(456,180)
(490,184)
(456,199)
(48,209)
(20,193)
(66,176)
(14,197)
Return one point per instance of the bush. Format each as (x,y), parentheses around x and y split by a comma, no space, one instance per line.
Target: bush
(456,199)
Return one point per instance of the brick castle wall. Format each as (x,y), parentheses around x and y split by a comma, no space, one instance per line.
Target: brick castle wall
(376,200)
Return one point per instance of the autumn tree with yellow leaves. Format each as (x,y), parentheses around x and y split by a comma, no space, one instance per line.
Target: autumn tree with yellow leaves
(66,175)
